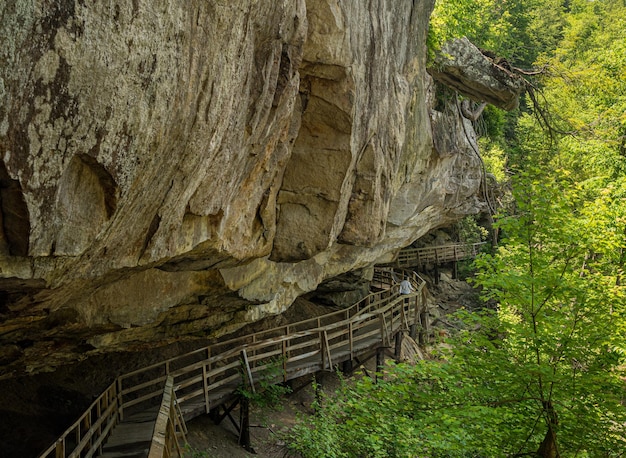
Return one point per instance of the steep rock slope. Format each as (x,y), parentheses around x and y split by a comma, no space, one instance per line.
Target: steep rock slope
(173,169)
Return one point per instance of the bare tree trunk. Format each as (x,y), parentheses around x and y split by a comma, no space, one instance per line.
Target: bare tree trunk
(548,448)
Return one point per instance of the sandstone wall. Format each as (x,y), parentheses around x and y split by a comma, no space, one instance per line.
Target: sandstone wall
(173,169)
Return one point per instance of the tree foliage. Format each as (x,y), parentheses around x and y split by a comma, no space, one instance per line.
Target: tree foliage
(562,312)
(516,29)
(544,373)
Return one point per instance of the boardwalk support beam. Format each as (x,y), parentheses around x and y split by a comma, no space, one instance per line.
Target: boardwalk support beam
(244,421)
(380,362)
(217,417)
(398,345)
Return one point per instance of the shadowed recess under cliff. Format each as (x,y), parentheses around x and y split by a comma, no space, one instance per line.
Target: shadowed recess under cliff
(143,171)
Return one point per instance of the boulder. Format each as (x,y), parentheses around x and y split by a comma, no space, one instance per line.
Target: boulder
(463,67)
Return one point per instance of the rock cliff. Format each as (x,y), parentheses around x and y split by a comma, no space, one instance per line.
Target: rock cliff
(176,169)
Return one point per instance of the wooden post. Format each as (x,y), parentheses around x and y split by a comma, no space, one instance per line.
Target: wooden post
(99,414)
(60,449)
(424,327)
(380,362)
(244,356)
(415,318)
(285,353)
(426,322)
(172,434)
(244,423)
(398,345)
(205,389)
(328,355)
(404,323)
(253,342)
(351,338)
(120,404)
(77,431)
(285,349)
(205,380)
(322,350)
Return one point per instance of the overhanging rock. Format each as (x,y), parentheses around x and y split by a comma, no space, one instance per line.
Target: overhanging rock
(463,67)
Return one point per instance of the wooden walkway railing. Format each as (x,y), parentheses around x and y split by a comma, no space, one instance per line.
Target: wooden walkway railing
(419,257)
(209,377)
(169,424)
(86,435)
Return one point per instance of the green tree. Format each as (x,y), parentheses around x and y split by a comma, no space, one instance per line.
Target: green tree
(544,373)
(563,312)
(540,376)
(519,30)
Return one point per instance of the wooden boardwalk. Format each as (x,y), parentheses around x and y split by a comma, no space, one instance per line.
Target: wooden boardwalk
(121,422)
(133,436)
(436,255)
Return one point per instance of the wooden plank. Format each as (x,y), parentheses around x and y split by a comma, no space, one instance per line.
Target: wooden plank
(305,370)
(130,439)
(367,335)
(140,386)
(205,389)
(191,395)
(330,360)
(246,365)
(301,345)
(190,368)
(304,355)
(219,370)
(141,399)
(339,344)
(187,382)
(225,381)
(268,355)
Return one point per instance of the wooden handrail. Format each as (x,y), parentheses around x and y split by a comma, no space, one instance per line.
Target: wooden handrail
(198,374)
(169,424)
(415,257)
(101,417)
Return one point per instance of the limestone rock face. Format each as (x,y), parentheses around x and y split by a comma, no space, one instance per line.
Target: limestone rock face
(172,169)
